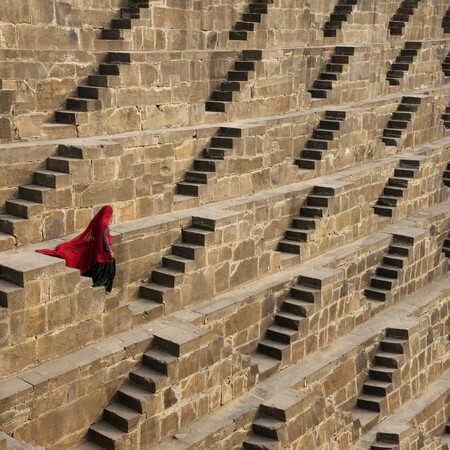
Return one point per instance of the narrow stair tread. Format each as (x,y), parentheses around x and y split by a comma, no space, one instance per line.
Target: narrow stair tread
(261,441)
(37,187)
(139,305)
(108,430)
(377,383)
(282,330)
(274,344)
(149,373)
(134,391)
(160,355)
(123,411)
(264,362)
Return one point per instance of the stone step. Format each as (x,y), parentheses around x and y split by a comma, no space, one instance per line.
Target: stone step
(393,345)
(178,263)
(268,427)
(388,359)
(377,387)
(288,320)
(52,178)
(256,442)
(23,208)
(385,211)
(122,417)
(156,292)
(383,283)
(197,236)
(160,361)
(394,133)
(371,402)
(190,188)
(298,307)
(35,193)
(387,201)
(289,246)
(316,200)
(188,250)
(377,294)
(167,277)
(382,373)
(106,435)
(295,234)
(214,106)
(274,349)
(287,404)
(12,296)
(388,272)
(317,144)
(318,93)
(304,223)
(281,334)
(150,379)
(310,211)
(394,191)
(323,134)
(133,397)
(83,104)
(196,176)
(399,248)
(309,294)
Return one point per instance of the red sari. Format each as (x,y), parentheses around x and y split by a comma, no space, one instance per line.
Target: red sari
(87,249)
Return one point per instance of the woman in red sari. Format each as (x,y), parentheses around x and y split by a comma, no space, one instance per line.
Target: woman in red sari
(91,251)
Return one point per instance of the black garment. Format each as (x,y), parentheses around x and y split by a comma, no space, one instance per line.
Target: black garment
(102,274)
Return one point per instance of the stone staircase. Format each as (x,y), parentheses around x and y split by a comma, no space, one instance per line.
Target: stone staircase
(402,62)
(397,187)
(446,117)
(175,285)
(271,429)
(78,175)
(304,225)
(244,69)
(342,10)
(321,140)
(384,376)
(399,121)
(153,384)
(393,274)
(446,176)
(263,343)
(210,163)
(96,93)
(164,289)
(446,21)
(446,65)
(291,324)
(250,18)
(391,440)
(446,247)
(402,15)
(336,65)
(129,16)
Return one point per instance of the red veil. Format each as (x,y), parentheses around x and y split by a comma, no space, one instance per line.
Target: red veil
(86,249)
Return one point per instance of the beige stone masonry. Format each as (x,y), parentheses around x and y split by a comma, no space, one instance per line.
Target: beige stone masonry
(9,443)
(202,435)
(158,152)
(48,310)
(203,322)
(424,417)
(205,376)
